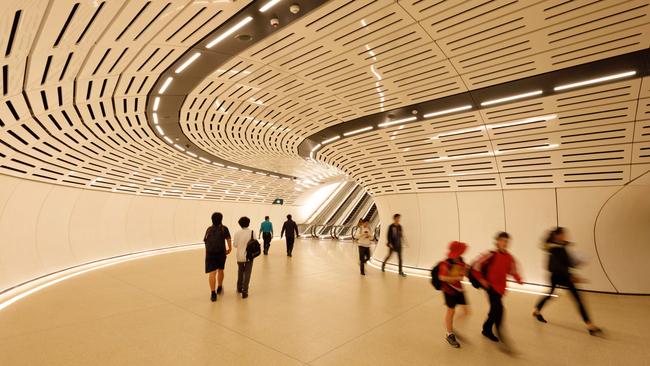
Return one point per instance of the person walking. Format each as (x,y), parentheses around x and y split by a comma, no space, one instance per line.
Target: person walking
(451,271)
(244,264)
(290,229)
(394,243)
(363,238)
(215,240)
(559,265)
(266,232)
(491,270)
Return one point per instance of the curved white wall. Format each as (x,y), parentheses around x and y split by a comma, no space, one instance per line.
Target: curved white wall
(610,225)
(45,227)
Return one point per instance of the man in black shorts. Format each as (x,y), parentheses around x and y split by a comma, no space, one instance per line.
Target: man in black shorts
(450,273)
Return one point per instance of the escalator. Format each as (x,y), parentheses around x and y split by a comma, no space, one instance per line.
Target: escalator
(370,213)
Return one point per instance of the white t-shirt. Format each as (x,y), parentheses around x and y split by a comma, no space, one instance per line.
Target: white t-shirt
(239,241)
(363,236)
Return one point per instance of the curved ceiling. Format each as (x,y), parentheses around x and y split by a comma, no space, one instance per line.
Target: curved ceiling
(76,76)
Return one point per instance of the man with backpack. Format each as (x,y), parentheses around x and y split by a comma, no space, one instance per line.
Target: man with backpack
(446,276)
(490,271)
(247,249)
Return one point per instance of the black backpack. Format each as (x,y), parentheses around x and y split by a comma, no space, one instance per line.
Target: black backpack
(253,248)
(472,278)
(435,271)
(214,241)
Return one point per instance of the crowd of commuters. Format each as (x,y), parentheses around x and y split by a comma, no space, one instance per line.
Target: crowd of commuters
(219,243)
(488,272)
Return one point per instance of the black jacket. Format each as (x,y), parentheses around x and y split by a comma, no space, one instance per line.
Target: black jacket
(289,228)
(559,261)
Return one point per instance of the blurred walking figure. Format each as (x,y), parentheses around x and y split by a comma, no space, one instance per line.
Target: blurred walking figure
(450,272)
(290,228)
(394,243)
(215,253)
(560,264)
(363,238)
(491,270)
(266,232)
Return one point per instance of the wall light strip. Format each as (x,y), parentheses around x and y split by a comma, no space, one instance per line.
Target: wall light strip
(397,121)
(513,97)
(260,173)
(156,104)
(447,111)
(217,164)
(230,31)
(192,154)
(316,147)
(155,118)
(330,139)
(168,139)
(204,160)
(268,5)
(354,132)
(595,81)
(179,147)
(165,85)
(188,62)
(160,131)
(32,287)
(232,167)
(246,170)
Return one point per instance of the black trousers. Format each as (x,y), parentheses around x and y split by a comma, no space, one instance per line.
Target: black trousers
(364,256)
(267,241)
(495,316)
(397,250)
(290,241)
(565,281)
(244,276)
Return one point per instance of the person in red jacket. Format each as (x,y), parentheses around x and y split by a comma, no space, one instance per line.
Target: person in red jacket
(451,272)
(491,269)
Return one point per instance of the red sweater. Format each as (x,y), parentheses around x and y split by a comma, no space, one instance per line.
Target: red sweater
(500,265)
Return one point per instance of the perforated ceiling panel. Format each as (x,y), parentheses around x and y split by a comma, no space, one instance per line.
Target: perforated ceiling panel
(75,76)
(350,59)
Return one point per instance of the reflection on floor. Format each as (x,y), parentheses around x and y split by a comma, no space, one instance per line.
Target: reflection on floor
(311,309)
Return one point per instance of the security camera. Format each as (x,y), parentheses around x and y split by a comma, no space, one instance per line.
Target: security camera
(294,9)
(275,22)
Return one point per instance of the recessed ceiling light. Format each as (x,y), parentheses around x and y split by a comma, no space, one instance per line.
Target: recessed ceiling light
(230,31)
(268,5)
(447,111)
(512,97)
(331,139)
(187,63)
(397,121)
(165,85)
(354,132)
(595,81)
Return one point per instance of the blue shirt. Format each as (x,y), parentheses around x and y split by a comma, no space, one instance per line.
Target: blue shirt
(266,226)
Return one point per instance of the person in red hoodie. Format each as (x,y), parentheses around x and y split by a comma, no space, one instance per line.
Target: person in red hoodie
(450,273)
(491,269)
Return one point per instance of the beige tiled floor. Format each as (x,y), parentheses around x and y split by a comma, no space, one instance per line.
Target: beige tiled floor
(311,309)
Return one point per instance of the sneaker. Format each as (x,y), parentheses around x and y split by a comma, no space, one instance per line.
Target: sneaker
(403,274)
(244,295)
(489,335)
(239,291)
(213,296)
(595,331)
(219,290)
(451,339)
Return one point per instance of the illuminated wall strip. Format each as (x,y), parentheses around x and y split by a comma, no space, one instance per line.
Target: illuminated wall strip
(230,31)
(204,160)
(268,5)
(354,132)
(511,98)
(29,288)
(330,140)
(155,118)
(595,81)
(168,139)
(447,111)
(156,104)
(165,85)
(397,121)
(191,154)
(160,131)
(179,147)
(188,62)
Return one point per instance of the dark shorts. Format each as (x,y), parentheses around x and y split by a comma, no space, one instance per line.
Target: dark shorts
(458,298)
(214,262)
